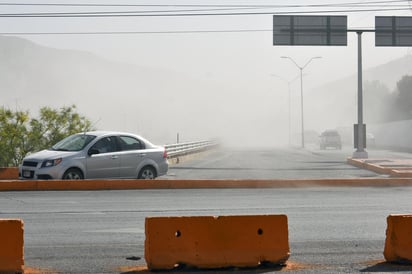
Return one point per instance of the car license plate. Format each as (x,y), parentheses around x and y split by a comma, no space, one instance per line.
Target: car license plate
(26,173)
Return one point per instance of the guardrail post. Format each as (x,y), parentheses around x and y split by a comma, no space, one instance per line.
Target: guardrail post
(11,246)
(216,242)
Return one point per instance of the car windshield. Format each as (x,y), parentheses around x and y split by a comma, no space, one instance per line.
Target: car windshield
(73,143)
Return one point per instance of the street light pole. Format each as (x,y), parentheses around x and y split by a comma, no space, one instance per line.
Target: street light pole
(289,103)
(301,68)
(301,107)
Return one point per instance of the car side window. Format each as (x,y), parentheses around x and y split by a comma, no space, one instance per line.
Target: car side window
(105,145)
(130,143)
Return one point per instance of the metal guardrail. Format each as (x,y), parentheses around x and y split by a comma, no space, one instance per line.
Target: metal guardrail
(181,149)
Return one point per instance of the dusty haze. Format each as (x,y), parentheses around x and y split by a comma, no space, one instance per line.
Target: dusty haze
(200,85)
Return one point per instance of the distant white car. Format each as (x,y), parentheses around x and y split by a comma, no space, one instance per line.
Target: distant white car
(370,140)
(97,154)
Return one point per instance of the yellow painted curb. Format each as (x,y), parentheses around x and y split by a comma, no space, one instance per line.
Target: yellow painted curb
(39,185)
(394,167)
(398,244)
(9,173)
(216,242)
(369,165)
(404,173)
(11,246)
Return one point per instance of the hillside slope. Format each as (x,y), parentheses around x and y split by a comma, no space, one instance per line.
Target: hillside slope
(335,104)
(159,103)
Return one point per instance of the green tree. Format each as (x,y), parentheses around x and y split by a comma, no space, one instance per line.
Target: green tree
(13,128)
(20,134)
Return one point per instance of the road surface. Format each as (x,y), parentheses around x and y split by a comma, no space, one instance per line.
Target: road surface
(331,229)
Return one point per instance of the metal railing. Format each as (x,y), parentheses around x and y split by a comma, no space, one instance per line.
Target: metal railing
(181,149)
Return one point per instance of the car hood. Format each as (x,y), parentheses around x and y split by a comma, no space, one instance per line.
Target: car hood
(50,154)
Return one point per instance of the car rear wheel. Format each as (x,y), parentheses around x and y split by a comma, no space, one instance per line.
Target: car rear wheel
(147,173)
(73,174)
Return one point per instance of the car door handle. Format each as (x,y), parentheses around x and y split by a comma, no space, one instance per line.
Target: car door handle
(141,155)
(114,157)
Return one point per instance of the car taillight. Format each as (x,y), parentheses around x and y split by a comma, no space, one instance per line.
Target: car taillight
(165,154)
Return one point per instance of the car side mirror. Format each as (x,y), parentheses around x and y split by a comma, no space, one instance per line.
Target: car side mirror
(93,151)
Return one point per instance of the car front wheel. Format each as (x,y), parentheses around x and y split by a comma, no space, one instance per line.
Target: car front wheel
(73,174)
(147,173)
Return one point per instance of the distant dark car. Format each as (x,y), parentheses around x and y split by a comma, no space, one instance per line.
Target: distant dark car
(330,139)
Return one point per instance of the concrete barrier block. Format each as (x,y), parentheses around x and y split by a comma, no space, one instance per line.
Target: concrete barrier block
(216,242)
(11,246)
(398,244)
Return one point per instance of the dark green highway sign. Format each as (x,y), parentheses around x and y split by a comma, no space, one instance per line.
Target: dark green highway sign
(393,31)
(309,30)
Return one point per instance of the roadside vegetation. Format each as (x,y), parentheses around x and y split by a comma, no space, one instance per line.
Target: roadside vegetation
(20,133)
(386,106)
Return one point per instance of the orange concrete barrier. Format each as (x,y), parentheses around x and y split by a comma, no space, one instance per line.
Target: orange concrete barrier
(11,246)
(398,244)
(9,173)
(216,242)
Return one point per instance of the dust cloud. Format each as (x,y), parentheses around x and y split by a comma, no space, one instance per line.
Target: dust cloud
(243,107)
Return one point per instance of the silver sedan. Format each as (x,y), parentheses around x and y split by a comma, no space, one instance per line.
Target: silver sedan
(97,154)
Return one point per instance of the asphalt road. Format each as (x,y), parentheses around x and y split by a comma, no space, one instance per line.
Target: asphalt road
(331,229)
(276,163)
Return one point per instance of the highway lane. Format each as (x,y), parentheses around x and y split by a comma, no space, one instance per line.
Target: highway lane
(332,229)
(275,163)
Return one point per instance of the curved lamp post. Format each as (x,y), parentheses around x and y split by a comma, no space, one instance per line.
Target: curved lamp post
(301,68)
(289,82)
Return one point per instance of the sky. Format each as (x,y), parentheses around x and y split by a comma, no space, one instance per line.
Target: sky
(221,42)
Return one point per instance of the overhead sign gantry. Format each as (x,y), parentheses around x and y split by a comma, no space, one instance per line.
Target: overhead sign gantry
(311,30)
(318,30)
(391,31)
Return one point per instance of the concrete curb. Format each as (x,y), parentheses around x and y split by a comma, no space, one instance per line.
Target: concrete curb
(9,173)
(392,167)
(369,165)
(41,185)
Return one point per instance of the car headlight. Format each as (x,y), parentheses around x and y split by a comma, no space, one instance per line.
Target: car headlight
(50,163)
